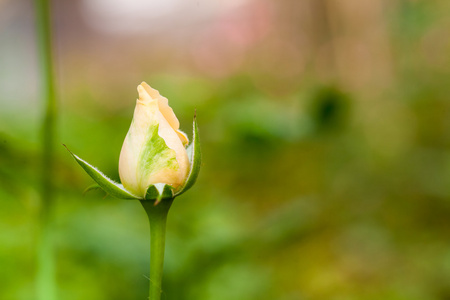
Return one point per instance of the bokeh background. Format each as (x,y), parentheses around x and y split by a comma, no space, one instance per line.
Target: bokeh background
(325,129)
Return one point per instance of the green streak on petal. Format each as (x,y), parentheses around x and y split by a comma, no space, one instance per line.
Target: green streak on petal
(155,155)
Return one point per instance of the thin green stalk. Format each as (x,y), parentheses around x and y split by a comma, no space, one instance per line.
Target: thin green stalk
(46,287)
(157,216)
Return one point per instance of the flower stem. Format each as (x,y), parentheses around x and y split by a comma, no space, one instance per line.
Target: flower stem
(157,216)
(45,278)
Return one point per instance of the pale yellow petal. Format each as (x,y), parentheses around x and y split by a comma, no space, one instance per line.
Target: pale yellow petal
(183,137)
(151,91)
(144,116)
(164,107)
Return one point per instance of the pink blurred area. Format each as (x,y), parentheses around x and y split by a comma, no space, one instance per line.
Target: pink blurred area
(279,45)
(105,40)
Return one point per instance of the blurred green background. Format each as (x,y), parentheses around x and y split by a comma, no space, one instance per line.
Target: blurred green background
(325,129)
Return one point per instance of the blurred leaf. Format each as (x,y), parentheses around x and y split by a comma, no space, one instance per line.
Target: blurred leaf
(329,109)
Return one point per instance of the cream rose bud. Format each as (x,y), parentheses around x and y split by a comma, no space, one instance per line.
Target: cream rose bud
(154,149)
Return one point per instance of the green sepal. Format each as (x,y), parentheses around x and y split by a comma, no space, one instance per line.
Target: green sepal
(109,186)
(195,159)
(92,187)
(158,192)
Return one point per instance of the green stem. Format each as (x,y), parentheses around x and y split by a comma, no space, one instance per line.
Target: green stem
(45,266)
(157,216)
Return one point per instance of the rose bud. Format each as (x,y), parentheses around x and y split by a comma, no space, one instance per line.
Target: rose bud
(154,162)
(154,148)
